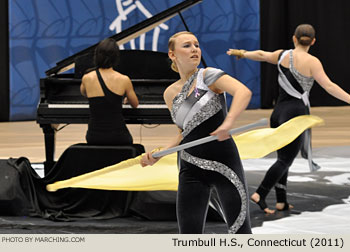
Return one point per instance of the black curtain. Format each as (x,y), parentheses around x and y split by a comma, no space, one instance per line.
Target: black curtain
(331,19)
(4,62)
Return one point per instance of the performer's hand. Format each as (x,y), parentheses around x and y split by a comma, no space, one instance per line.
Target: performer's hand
(222,133)
(236,52)
(147,159)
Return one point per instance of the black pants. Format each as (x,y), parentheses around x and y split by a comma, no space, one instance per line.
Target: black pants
(277,174)
(195,187)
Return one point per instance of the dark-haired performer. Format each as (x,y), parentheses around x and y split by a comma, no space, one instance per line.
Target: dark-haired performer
(104,87)
(297,72)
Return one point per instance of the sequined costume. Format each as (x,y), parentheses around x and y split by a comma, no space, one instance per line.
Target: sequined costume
(212,166)
(291,103)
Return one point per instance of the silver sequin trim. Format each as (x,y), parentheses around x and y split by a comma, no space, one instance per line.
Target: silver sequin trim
(305,82)
(180,97)
(212,107)
(230,175)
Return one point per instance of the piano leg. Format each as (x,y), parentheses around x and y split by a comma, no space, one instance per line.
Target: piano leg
(49,134)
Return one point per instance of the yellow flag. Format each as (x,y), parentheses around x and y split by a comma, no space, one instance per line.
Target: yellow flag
(129,175)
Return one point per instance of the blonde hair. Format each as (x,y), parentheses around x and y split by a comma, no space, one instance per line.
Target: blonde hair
(171,46)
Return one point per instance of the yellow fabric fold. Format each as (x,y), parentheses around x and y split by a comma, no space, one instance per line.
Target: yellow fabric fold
(129,175)
(261,142)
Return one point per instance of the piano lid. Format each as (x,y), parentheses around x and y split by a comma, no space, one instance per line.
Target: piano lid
(126,35)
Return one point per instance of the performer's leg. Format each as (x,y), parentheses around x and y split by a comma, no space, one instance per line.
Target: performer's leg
(281,194)
(281,188)
(192,204)
(234,204)
(285,158)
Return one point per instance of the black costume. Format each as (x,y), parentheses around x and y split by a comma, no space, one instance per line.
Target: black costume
(106,124)
(212,166)
(289,105)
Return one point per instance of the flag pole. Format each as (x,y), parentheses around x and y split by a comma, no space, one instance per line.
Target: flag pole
(261,122)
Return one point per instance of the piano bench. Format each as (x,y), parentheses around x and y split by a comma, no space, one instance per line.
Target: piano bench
(82,158)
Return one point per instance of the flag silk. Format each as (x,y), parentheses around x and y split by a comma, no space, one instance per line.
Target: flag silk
(129,175)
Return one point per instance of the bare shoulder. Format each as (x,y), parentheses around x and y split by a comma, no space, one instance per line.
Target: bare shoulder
(313,62)
(172,88)
(171,91)
(121,77)
(89,76)
(121,80)
(313,59)
(273,57)
(275,54)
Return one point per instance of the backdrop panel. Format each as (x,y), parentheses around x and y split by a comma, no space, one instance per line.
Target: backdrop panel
(44,32)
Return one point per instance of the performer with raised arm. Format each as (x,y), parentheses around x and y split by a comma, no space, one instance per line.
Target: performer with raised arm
(197,105)
(297,71)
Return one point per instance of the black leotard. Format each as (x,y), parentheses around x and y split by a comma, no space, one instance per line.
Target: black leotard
(286,108)
(106,124)
(212,166)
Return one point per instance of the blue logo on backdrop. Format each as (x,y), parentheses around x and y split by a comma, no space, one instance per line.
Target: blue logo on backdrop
(44,32)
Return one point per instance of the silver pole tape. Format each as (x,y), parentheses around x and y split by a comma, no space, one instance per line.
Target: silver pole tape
(261,122)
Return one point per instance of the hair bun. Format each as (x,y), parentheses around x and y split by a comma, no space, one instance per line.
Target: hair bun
(305,40)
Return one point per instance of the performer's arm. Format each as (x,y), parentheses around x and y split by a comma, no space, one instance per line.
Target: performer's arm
(82,86)
(169,95)
(147,158)
(130,93)
(321,77)
(241,97)
(258,55)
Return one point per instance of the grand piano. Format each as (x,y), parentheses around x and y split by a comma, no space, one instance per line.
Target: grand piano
(150,73)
